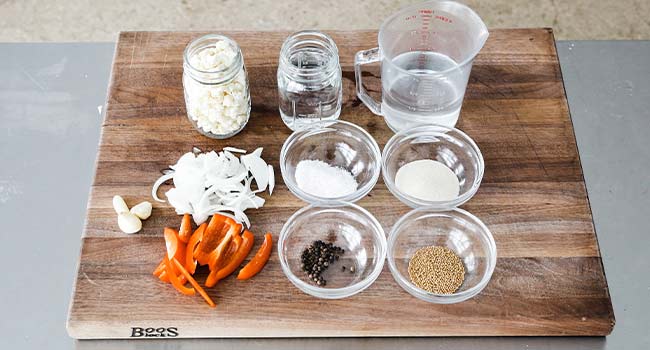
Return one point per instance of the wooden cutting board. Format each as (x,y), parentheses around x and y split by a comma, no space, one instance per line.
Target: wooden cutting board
(549,276)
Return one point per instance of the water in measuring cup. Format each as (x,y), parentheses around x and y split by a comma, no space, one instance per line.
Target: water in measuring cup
(422,96)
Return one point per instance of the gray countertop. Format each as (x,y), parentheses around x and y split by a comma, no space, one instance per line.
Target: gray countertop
(50,120)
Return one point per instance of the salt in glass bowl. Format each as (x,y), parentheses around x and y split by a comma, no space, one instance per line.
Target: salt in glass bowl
(457,230)
(449,146)
(337,143)
(347,226)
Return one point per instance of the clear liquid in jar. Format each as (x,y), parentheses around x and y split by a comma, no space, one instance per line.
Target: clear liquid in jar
(311,97)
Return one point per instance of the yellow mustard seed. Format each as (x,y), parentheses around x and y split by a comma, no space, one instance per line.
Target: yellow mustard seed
(437,270)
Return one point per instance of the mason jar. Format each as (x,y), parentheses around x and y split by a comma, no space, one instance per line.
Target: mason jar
(309,79)
(217,97)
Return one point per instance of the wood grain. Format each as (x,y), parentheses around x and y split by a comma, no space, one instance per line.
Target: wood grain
(549,278)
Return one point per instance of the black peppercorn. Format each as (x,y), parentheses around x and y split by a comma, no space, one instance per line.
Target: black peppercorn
(317,257)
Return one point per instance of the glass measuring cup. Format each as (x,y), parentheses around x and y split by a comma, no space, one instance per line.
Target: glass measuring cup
(426,52)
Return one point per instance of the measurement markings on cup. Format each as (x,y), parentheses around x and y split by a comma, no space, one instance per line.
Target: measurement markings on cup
(425,16)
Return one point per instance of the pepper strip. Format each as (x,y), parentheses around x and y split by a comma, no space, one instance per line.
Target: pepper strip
(235,243)
(194,283)
(159,269)
(185,231)
(238,257)
(171,241)
(259,260)
(176,282)
(217,256)
(171,246)
(233,247)
(210,240)
(175,250)
(224,237)
(197,236)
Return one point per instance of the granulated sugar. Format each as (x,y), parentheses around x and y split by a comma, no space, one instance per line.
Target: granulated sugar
(323,180)
(428,180)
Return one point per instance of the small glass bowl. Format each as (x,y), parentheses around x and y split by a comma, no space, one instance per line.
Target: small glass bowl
(449,146)
(457,230)
(348,226)
(337,143)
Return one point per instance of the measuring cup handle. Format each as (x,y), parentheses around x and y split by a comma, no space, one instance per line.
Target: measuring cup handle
(361,58)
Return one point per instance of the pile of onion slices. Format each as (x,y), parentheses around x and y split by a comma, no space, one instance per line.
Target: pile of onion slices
(217,183)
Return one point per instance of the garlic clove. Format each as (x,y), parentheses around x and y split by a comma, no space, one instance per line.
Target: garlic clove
(120,205)
(129,223)
(142,210)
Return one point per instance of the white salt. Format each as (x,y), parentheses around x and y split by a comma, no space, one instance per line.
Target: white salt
(323,180)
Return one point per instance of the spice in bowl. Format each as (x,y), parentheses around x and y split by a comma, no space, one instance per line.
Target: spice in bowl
(427,180)
(437,270)
(317,257)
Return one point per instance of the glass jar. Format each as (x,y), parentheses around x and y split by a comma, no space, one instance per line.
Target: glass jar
(309,79)
(215,84)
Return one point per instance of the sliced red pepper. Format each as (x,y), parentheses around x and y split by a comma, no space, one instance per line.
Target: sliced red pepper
(237,258)
(217,255)
(232,248)
(259,260)
(211,238)
(163,275)
(159,269)
(194,283)
(171,241)
(235,243)
(175,249)
(228,225)
(176,282)
(190,262)
(185,231)
(216,222)
(171,244)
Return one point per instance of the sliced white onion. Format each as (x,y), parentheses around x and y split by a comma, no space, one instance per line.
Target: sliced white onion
(234,150)
(258,152)
(209,183)
(271,179)
(160,181)
(187,158)
(178,199)
(257,166)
